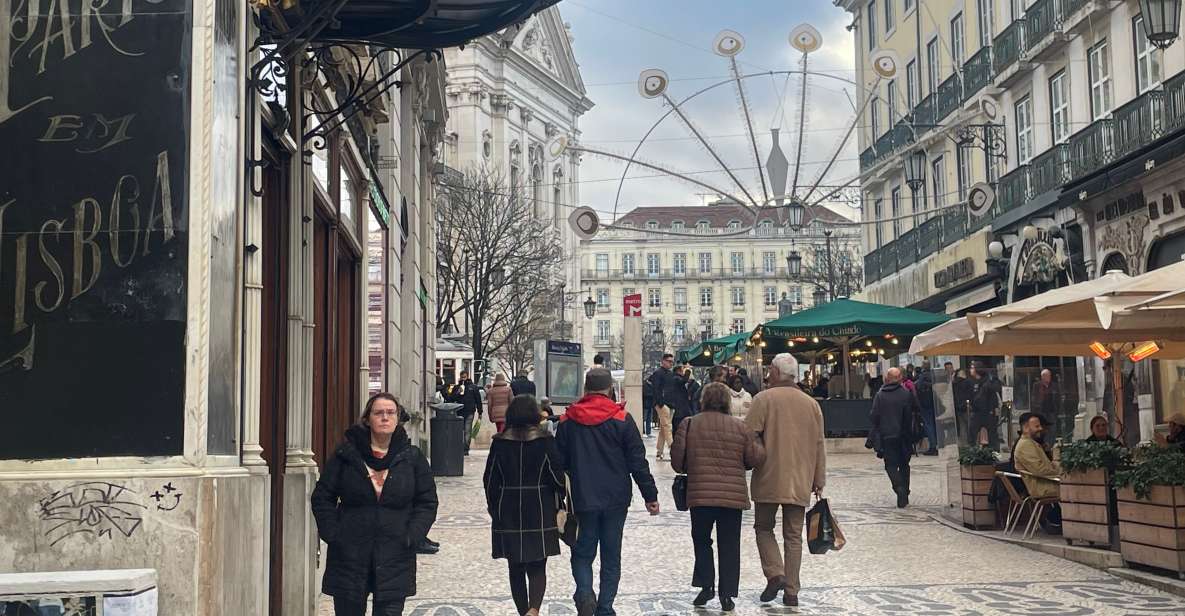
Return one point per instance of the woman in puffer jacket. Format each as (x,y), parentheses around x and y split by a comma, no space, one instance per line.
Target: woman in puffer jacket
(715,449)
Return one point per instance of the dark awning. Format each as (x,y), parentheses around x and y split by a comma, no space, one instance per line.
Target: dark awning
(423,24)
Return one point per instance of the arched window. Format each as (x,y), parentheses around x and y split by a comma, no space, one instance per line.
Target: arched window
(702,226)
(677,225)
(733,225)
(1115,262)
(651,224)
(765,227)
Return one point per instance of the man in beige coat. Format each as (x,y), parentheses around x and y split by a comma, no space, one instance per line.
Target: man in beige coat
(790,424)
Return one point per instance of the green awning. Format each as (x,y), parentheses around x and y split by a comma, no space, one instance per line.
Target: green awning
(695,354)
(849,318)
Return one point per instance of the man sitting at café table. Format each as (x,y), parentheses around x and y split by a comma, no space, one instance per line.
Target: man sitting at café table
(1039,472)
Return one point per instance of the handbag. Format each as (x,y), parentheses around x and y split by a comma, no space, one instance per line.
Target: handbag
(565,517)
(679,491)
(822,530)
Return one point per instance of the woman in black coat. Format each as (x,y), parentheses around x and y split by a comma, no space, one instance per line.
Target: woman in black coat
(524,481)
(374,502)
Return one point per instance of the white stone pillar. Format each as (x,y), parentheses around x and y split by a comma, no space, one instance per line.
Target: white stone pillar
(633,367)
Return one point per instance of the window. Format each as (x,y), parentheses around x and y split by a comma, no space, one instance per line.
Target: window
(872,24)
(708,327)
(627,264)
(987,16)
(765,227)
(602,263)
(769,262)
(679,331)
(770,296)
(733,225)
(603,299)
(738,297)
(701,226)
(963,160)
(738,326)
(938,171)
(874,119)
(737,260)
(1147,58)
(680,299)
(957,48)
(654,298)
(705,263)
(878,211)
(652,264)
(1016,9)
(705,297)
(1059,106)
(895,210)
(651,224)
(603,332)
(1024,130)
(912,87)
(932,64)
(680,264)
(1099,65)
(888,16)
(628,291)
(891,101)
(795,295)
(677,225)
(376,305)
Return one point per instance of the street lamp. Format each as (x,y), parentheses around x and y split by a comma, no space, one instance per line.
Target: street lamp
(820,296)
(590,307)
(915,169)
(795,212)
(794,264)
(1162,21)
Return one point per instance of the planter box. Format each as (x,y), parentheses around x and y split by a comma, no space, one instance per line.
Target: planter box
(978,513)
(1087,502)
(1152,530)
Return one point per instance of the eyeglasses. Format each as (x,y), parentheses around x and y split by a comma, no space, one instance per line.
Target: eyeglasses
(384,413)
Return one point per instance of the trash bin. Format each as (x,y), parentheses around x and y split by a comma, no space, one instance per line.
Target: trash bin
(448,443)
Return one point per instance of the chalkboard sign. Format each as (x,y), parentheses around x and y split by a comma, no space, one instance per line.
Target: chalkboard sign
(94,118)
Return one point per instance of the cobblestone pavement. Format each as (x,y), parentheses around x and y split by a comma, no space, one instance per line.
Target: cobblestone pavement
(896,561)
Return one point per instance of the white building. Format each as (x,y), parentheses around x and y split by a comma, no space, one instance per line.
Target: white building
(696,278)
(508,94)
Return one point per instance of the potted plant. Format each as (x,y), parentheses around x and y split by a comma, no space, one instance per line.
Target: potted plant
(1151,496)
(1087,498)
(977,468)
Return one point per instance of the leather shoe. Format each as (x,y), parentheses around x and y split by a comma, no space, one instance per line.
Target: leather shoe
(432,543)
(586,606)
(772,588)
(704,597)
(902,498)
(726,604)
(790,600)
(423,547)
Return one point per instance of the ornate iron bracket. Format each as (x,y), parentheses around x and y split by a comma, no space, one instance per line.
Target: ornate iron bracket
(989,138)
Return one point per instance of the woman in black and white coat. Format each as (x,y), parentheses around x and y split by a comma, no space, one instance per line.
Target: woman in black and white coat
(524,482)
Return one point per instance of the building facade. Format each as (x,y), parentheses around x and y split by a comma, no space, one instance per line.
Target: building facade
(217,242)
(706,271)
(509,94)
(1069,114)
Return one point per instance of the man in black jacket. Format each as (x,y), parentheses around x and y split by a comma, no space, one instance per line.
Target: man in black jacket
(663,382)
(893,412)
(468,395)
(520,385)
(985,405)
(602,450)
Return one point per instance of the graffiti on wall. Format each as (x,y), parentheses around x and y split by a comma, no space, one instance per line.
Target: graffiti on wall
(100,509)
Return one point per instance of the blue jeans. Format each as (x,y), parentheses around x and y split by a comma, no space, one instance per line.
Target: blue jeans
(647,419)
(931,424)
(603,528)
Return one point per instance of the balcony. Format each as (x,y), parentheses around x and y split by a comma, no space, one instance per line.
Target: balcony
(954,226)
(1174,103)
(1013,189)
(601,341)
(1009,46)
(872,267)
(1138,123)
(868,158)
(948,97)
(930,236)
(923,114)
(1041,20)
(1091,148)
(977,72)
(1050,170)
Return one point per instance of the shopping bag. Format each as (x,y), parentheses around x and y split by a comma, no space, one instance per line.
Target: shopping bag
(565,517)
(679,492)
(822,531)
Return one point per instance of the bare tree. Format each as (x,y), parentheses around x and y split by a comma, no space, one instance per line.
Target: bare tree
(495,259)
(836,270)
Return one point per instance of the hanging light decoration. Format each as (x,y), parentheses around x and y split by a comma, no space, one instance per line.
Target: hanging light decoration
(1162,21)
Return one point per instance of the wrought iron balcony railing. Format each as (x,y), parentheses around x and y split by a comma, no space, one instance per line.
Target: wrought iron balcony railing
(1050,170)
(1174,103)
(1091,148)
(977,72)
(1138,123)
(1008,46)
(948,97)
(930,236)
(1041,20)
(1014,189)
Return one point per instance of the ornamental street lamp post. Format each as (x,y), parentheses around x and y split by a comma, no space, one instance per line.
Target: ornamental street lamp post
(1162,21)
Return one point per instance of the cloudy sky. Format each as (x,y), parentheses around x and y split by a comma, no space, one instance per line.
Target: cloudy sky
(617,39)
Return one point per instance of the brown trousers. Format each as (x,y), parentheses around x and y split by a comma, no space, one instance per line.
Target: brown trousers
(664,429)
(772,566)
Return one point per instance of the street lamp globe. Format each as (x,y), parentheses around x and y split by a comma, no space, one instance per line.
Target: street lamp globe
(794,264)
(1162,21)
(590,307)
(915,169)
(996,249)
(795,213)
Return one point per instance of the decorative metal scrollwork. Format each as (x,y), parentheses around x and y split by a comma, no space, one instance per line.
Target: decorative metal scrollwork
(990,138)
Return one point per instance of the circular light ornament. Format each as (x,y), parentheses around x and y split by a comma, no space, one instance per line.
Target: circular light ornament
(1029,233)
(584,222)
(989,108)
(996,249)
(653,82)
(885,63)
(980,198)
(728,43)
(556,147)
(806,38)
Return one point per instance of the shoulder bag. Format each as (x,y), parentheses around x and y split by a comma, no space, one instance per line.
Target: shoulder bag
(679,486)
(565,517)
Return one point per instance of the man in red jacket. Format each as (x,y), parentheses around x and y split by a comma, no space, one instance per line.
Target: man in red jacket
(602,450)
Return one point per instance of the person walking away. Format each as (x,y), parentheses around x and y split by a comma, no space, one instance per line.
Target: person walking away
(467,395)
(739,399)
(522,385)
(893,410)
(647,406)
(499,397)
(374,502)
(663,382)
(715,450)
(790,424)
(602,449)
(693,389)
(524,483)
(679,398)
(924,390)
